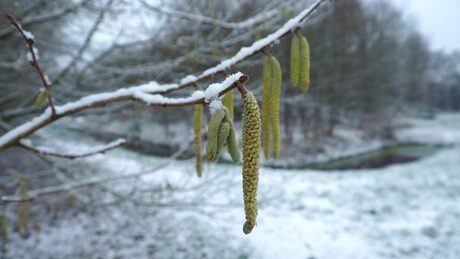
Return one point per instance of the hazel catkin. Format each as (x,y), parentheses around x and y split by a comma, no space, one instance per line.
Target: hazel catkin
(198,114)
(221,139)
(4,227)
(251,156)
(23,211)
(228,103)
(274,102)
(266,104)
(295,55)
(213,131)
(304,64)
(232,145)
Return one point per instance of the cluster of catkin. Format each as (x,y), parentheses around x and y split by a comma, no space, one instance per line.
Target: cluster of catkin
(221,134)
(272,79)
(300,62)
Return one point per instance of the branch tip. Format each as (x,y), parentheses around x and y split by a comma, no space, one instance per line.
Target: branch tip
(10,18)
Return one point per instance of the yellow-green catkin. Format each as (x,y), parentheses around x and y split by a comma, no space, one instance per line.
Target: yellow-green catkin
(23,211)
(4,227)
(213,131)
(198,115)
(37,222)
(304,64)
(232,145)
(221,139)
(40,99)
(295,55)
(228,103)
(275,107)
(266,105)
(251,155)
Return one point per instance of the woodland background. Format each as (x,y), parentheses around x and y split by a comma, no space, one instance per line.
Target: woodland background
(374,76)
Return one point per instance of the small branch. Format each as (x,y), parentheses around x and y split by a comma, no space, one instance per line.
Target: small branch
(158,101)
(33,194)
(141,92)
(28,37)
(94,151)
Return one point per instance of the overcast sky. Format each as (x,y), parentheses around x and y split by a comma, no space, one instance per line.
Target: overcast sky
(439,20)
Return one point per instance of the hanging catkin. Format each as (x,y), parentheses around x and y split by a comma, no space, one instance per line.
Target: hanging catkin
(266,104)
(228,103)
(23,211)
(4,227)
(213,131)
(221,139)
(304,64)
(232,145)
(251,151)
(274,102)
(37,222)
(198,114)
(295,55)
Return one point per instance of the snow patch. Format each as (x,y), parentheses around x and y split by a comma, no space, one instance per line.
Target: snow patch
(213,90)
(215,105)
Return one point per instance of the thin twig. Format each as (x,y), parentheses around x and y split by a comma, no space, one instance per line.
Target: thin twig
(96,150)
(33,194)
(34,62)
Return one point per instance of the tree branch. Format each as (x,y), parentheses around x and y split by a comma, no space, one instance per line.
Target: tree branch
(31,195)
(28,37)
(126,94)
(149,92)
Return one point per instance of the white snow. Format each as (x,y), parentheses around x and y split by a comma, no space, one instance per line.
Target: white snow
(30,57)
(28,35)
(401,211)
(442,129)
(213,90)
(188,79)
(47,80)
(215,105)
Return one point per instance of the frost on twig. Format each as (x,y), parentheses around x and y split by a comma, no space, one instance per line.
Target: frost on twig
(77,154)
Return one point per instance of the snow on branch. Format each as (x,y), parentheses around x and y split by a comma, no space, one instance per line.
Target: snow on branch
(246,52)
(78,154)
(213,91)
(150,92)
(139,93)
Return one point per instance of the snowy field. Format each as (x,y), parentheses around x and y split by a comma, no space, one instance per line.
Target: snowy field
(401,211)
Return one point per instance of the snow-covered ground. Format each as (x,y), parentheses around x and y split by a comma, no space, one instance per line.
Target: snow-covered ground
(401,211)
